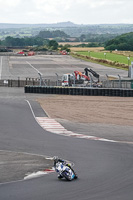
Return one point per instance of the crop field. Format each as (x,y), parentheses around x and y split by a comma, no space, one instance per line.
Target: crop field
(97,49)
(108,56)
(72,43)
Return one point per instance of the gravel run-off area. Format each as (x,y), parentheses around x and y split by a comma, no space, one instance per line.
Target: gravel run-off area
(90,109)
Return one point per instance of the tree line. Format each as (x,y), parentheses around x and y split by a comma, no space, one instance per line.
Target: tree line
(58,36)
(123,42)
(35,43)
(27,41)
(52,34)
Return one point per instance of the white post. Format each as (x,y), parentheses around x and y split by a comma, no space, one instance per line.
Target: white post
(128,60)
(57,78)
(119,81)
(105,55)
(131,69)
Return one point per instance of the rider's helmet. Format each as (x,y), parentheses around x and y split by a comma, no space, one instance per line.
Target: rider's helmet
(55,158)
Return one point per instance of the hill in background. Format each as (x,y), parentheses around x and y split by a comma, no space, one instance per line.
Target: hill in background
(60,24)
(71,29)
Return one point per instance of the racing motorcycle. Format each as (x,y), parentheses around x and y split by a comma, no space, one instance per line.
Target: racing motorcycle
(64,170)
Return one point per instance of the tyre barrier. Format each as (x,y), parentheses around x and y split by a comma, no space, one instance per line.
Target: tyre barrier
(79,91)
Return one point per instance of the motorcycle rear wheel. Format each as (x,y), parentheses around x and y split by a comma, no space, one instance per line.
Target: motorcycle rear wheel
(66,177)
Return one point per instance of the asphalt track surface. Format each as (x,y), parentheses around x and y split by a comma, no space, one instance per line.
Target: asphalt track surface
(13,67)
(105,169)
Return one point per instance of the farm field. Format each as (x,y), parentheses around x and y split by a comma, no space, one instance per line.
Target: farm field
(71,43)
(109,56)
(96,49)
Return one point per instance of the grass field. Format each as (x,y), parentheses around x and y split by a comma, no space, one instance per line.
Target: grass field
(109,56)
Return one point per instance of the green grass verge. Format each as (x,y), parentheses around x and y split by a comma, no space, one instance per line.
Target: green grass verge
(89,59)
(109,56)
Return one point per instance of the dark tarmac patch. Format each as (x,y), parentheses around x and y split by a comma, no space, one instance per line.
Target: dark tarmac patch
(14,166)
(109,131)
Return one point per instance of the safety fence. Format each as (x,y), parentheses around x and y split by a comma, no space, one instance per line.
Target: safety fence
(79,91)
(22,82)
(28,81)
(126,84)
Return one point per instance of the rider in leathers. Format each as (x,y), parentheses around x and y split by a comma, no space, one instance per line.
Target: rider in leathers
(56,160)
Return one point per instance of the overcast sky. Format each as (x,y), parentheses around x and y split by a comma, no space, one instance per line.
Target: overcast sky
(76,11)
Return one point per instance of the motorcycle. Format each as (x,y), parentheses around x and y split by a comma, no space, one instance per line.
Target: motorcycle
(65,171)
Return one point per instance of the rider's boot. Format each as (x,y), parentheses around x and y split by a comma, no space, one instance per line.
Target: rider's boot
(59,176)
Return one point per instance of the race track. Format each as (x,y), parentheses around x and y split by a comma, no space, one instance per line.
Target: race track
(105,169)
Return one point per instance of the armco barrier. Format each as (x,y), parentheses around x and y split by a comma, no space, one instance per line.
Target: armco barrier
(79,91)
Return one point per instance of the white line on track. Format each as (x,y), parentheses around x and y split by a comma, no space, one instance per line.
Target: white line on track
(33,154)
(31,109)
(33,175)
(38,174)
(33,67)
